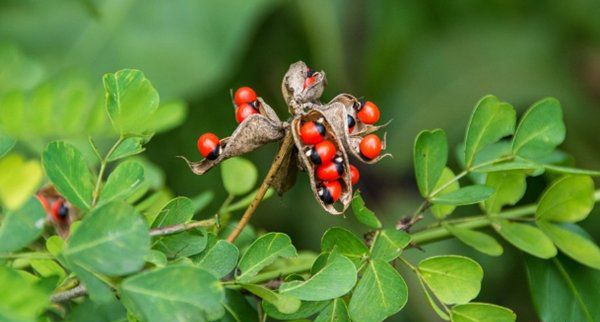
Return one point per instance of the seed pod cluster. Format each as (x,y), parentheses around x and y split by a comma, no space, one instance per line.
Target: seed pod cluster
(323,136)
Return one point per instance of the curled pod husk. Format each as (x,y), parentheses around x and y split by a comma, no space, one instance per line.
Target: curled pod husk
(349,102)
(306,163)
(285,178)
(354,148)
(292,87)
(255,131)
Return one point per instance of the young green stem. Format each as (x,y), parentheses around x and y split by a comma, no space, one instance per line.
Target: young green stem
(284,149)
(439,233)
(103,164)
(168,230)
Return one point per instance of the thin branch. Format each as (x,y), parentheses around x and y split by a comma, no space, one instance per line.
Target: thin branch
(284,149)
(77,291)
(103,164)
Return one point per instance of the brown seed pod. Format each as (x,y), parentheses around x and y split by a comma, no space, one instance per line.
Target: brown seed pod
(254,132)
(306,163)
(285,178)
(293,90)
(349,101)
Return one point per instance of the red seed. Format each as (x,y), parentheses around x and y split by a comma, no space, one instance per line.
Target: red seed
(244,95)
(243,111)
(368,113)
(370,146)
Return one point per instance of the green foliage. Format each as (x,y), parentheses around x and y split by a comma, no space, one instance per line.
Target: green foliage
(115,228)
(563,290)
(541,129)
(491,120)
(66,168)
(527,238)
(131,101)
(127,235)
(481,312)
(181,291)
(363,214)
(453,279)
(380,293)
(388,244)
(263,252)
(430,156)
(239,176)
(22,226)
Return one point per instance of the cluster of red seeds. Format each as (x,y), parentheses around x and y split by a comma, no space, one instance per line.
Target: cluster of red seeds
(330,166)
(246,104)
(368,113)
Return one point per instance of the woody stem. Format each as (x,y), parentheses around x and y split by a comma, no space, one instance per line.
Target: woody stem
(284,149)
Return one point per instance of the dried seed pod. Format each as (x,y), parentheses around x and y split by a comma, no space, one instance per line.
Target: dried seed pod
(297,91)
(349,102)
(285,178)
(354,147)
(254,132)
(306,163)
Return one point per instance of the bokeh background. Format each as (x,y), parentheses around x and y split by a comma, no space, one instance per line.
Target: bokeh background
(425,63)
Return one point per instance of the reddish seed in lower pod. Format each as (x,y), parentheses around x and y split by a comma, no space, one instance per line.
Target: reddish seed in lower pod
(329,191)
(322,152)
(331,170)
(312,132)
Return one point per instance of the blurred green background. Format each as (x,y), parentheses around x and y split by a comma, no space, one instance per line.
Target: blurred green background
(425,63)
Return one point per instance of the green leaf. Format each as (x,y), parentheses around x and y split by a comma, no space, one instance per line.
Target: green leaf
(19,179)
(66,167)
(219,259)
(441,211)
(284,303)
(47,268)
(21,227)
(491,120)
(263,252)
(184,244)
(22,301)
(481,312)
(453,279)
(6,144)
(380,293)
(430,156)
(509,187)
(568,199)
(130,101)
(335,279)
(563,290)
(237,308)
(573,244)
(388,244)
(94,283)
(113,229)
(179,210)
(516,164)
(307,309)
(363,214)
(464,196)
(130,146)
(239,176)
(112,311)
(526,238)
(336,311)
(541,129)
(173,293)
(569,170)
(122,182)
(476,239)
(346,244)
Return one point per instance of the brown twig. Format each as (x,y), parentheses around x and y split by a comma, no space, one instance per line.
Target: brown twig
(77,291)
(284,149)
